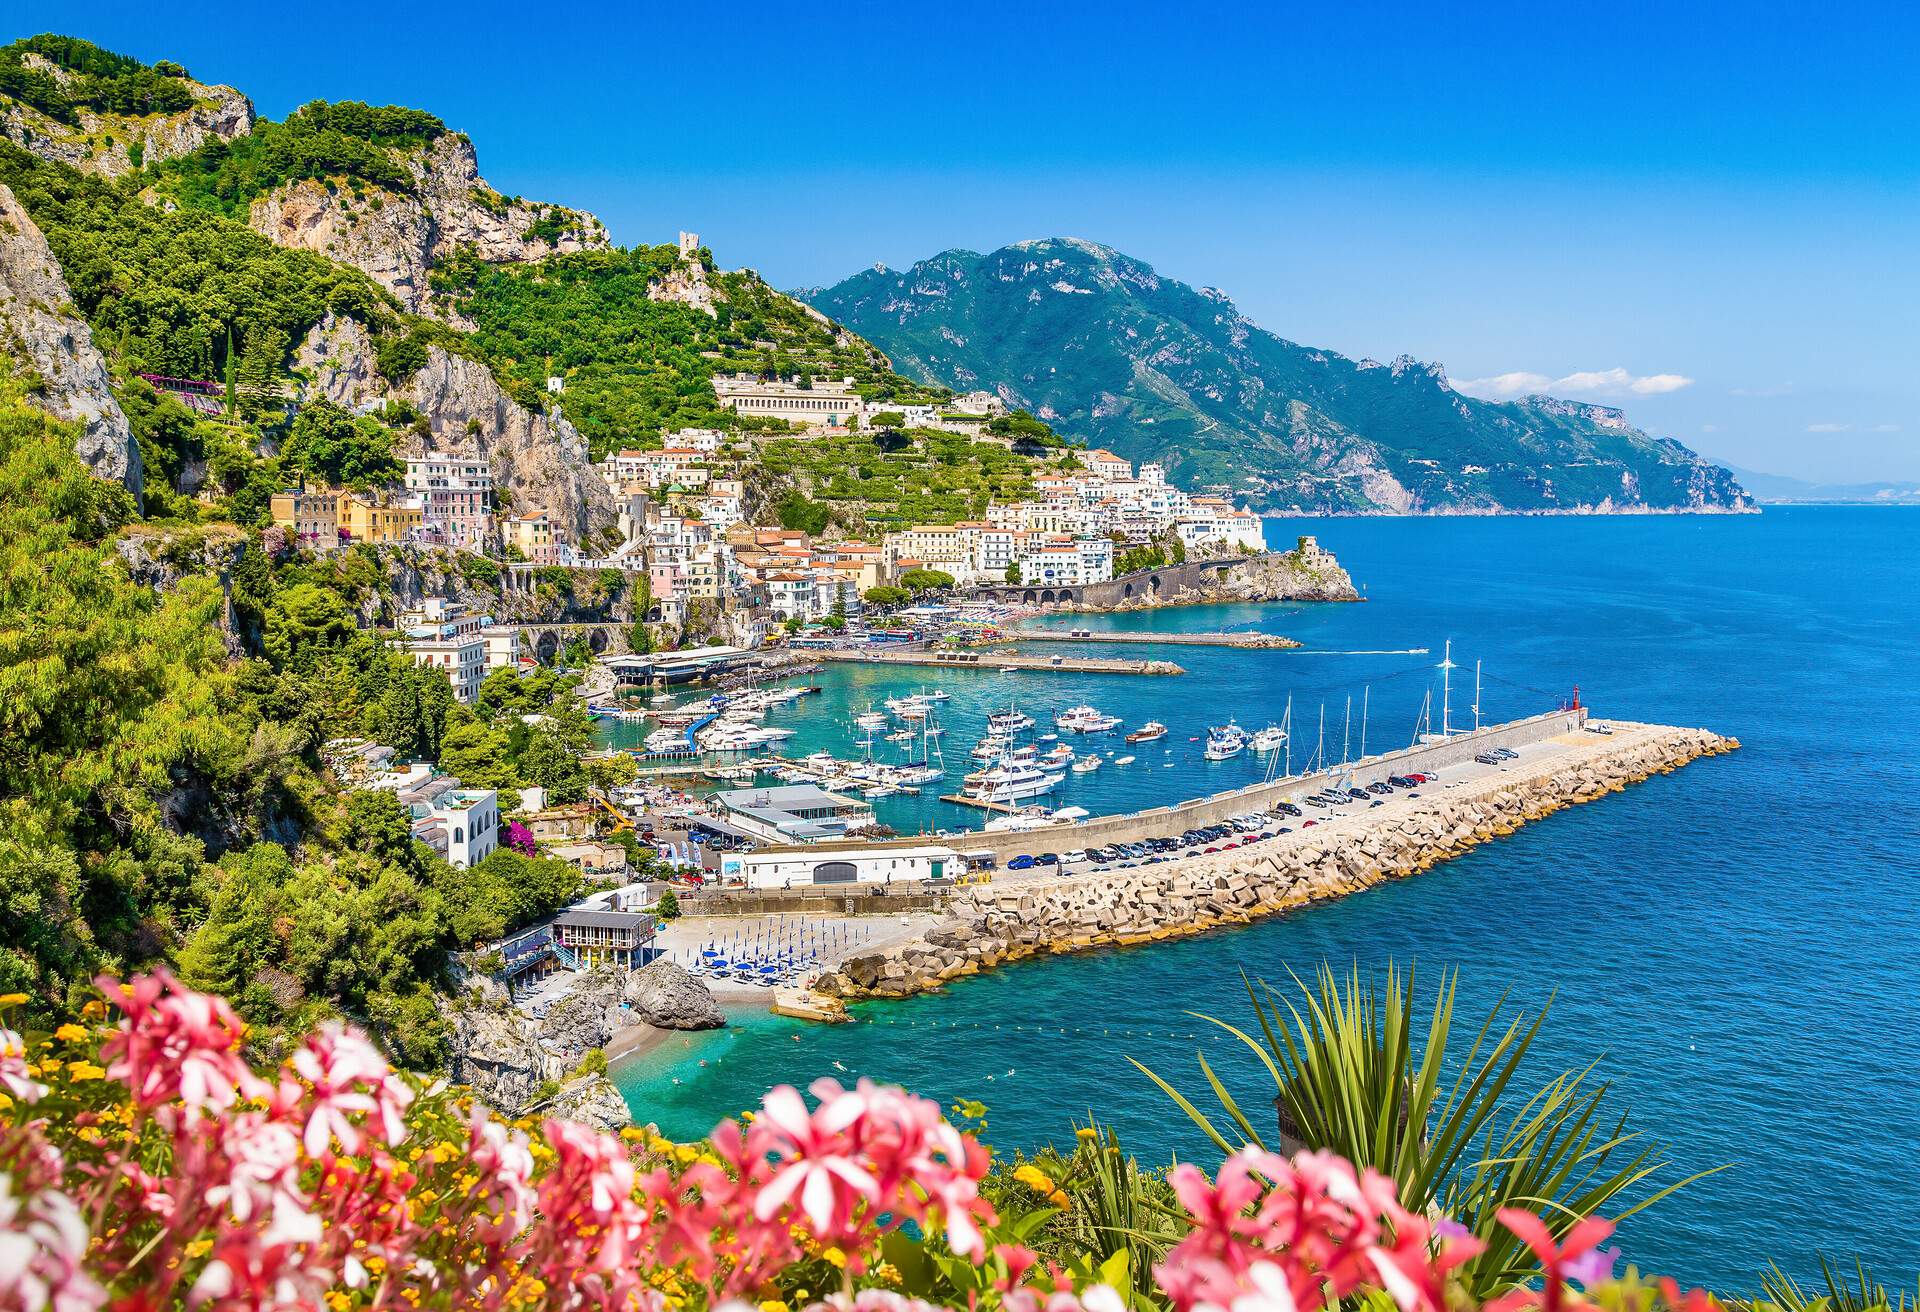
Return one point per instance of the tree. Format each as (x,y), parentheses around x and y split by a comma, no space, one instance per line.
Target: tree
(1013,571)
(547,762)
(885,595)
(476,755)
(334,445)
(888,419)
(797,512)
(669,906)
(918,581)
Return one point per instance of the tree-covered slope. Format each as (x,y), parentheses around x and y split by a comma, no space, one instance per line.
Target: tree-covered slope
(1108,350)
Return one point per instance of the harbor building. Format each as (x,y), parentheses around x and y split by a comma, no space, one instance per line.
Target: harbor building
(796,813)
(890,865)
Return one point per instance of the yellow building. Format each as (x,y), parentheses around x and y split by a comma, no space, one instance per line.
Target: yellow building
(533,536)
(311,515)
(366,520)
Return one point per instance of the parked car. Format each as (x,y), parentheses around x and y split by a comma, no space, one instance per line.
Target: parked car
(1021,862)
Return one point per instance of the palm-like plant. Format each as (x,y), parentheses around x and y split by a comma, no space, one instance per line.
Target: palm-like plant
(1858,1292)
(1347,1077)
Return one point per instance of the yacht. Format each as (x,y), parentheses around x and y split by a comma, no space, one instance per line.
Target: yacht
(1009,722)
(1225,742)
(666,740)
(989,749)
(1010,781)
(871,719)
(1147,732)
(1086,765)
(1269,739)
(1057,755)
(1085,719)
(919,774)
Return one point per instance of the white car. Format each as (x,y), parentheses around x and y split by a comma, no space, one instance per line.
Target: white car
(1069,858)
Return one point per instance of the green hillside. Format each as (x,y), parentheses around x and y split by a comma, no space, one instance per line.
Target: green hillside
(1109,351)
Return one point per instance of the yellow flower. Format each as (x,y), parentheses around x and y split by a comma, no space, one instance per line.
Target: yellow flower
(1034,1178)
(199,1248)
(338,1301)
(1086,1134)
(772,1305)
(835,1256)
(70,1033)
(95,1010)
(83,1070)
(887,1273)
(12,999)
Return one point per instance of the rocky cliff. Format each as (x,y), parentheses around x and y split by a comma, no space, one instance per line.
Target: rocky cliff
(394,236)
(541,460)
(42,331)
(115,144)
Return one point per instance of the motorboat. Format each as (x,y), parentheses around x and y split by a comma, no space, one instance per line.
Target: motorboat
(1086,765)
(871,719)
(1147,732)
(1085,719)
(1224,743)
(1009,722)
(1123,760)
(1059,754)
(1010,781)
(1269,739)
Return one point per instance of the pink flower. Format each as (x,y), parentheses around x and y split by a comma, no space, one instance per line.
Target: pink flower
(351,1081)
(14,1078)
(817,1162)
(502,1160)
(175,1043)
(43,1239)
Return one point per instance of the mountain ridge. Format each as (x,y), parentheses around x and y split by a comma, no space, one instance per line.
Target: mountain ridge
(1164,370)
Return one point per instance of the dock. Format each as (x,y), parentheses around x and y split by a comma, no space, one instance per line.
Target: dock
(1006,661)
(1243,641)
(963,799)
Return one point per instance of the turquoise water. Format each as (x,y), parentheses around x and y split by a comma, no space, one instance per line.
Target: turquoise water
(1735,941)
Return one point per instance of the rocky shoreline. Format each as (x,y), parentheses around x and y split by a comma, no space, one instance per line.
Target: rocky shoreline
(1003,922)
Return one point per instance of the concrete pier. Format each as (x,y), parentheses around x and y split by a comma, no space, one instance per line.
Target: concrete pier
(1243,641)
(1033,914)
(976,660)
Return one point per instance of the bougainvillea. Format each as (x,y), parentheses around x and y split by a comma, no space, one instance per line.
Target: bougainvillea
(145,1165)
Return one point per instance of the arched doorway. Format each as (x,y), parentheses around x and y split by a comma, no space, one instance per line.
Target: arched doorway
(546,647)
(835,872)
(1127,591)
(598,640)
(1029,597)
(1046,596)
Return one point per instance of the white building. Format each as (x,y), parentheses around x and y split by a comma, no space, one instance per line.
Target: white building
(898,865)
(468,819)
(826,403)
(502,646)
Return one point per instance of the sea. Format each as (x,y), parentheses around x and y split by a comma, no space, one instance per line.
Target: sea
(1734,947)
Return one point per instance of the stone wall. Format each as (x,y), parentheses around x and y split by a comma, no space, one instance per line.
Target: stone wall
(1003,922)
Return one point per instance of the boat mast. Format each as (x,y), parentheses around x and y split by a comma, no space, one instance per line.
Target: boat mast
(1346,731)
(1286,727)
(1446,691)
(1366,695)
(1476,694)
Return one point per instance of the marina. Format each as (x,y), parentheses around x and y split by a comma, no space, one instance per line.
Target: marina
(1005,662)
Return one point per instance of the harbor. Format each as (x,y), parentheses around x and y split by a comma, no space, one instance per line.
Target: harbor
(1240,641)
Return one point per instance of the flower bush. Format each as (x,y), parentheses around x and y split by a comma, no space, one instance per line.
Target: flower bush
(145,1165)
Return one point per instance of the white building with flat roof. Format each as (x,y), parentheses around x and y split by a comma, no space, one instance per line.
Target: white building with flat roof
(824,402)
(880,865)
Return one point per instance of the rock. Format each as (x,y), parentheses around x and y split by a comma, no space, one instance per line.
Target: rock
(394,237)
(496,1053)
(665,995)
(41,327)
(592,1100)
(582,1020)
(102,143)
(540,459)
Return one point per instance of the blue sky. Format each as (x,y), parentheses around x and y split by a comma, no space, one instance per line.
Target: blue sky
(1708,215)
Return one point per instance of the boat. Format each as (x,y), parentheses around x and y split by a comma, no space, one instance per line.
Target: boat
(871,719)
(1269,739)
(1147,732)
(666,740)
(989,749)
(1059,755)
(1010,781)
(919,774)
(1225,742)
(1085,719)
(1086,765)
(1009,722)
(1123,760)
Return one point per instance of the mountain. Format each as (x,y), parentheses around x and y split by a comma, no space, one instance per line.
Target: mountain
(1778,489)
(1105,349)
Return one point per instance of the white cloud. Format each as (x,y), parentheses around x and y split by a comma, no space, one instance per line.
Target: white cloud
(1586,382)
(1828,428)
(1884,428)
(1709,428)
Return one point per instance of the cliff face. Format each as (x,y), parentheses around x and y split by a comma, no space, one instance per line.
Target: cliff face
(42,330)
(541,460)
(107,143)
(395,236)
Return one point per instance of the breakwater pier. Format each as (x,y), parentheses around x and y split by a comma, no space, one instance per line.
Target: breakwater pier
(1243,641)
(1561,763)
(1004,661)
